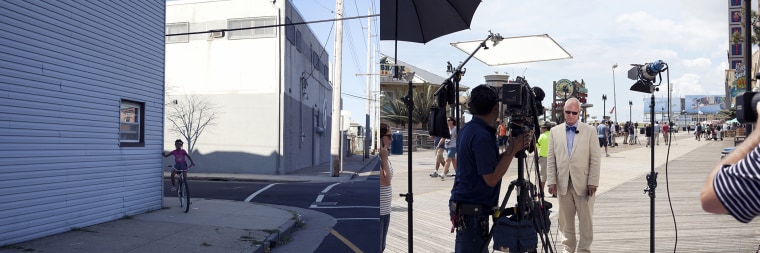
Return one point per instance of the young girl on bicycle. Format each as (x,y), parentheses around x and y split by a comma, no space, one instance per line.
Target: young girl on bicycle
(179,161)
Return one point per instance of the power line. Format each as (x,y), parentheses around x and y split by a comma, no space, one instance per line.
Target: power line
(270,26)
(328,9)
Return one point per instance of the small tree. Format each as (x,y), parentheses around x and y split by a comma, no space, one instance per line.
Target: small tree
(394,110)
(727,114)
(190,117)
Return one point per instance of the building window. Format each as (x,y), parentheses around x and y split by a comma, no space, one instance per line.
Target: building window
(269,32)
(131,124)
(298,40)
(314,59)
(176,28)
(290,32)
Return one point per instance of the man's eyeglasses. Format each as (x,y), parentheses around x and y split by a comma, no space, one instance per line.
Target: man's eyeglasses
(449,120)
(571,112)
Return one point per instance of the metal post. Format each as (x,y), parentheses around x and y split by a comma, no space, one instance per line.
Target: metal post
(614,92)
(630,112)
(604,107)
(748,52)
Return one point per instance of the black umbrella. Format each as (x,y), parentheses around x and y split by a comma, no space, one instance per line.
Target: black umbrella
(424,20)
(421,21)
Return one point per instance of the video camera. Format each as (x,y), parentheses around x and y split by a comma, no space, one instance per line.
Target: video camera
(746,104)
(523,105)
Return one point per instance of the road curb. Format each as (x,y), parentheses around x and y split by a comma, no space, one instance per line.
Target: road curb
(274,239)
(373,160)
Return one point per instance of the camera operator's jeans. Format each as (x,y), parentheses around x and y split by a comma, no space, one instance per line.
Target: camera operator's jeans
(471,238)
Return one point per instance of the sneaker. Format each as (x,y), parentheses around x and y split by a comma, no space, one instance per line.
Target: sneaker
(608,155)
(443,178)
(174,189)
(435,174)
(450,175)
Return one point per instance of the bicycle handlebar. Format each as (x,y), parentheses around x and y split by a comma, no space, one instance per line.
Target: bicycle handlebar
(175,169)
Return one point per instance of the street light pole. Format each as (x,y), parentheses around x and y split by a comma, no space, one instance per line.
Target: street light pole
(630,109)
(604,107)
(614,92)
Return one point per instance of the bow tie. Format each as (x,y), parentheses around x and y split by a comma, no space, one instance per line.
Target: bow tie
(570,128)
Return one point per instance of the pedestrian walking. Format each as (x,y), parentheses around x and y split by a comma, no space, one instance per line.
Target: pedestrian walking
(603,133)
(439,155)
(657,131)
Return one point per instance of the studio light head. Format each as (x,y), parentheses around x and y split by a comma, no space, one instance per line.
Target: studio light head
(645,75)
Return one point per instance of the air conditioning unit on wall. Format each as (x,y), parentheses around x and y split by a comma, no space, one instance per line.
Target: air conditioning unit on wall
(216,34)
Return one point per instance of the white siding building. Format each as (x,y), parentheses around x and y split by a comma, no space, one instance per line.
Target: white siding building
(270,85)
(81,114)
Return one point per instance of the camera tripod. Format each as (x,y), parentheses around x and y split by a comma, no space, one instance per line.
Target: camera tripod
(529,217)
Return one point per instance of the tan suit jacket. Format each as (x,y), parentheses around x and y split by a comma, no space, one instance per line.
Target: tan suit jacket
(582,167)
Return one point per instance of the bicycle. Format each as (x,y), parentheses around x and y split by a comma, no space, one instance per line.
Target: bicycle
(183,189)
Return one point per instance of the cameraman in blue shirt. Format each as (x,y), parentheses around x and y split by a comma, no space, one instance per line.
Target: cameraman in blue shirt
(476,188)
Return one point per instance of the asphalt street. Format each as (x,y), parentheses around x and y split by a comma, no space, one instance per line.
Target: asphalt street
(353,205)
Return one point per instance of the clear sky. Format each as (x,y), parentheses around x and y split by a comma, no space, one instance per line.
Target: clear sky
(690,35)
(354,81)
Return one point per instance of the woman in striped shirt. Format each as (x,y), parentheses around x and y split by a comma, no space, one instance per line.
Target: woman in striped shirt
(386,174)
(731,188)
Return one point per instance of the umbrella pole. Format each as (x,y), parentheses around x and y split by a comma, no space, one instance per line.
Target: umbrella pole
(409,196)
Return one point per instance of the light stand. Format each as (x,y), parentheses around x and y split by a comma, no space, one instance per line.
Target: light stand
(459,71)
(408,101)
(646,76)
(527,213)
(409,197)
(652,176)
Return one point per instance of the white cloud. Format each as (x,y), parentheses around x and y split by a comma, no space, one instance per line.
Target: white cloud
(700,62)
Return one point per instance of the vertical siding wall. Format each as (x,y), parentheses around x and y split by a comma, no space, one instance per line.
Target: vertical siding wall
(64,68)
(303,146)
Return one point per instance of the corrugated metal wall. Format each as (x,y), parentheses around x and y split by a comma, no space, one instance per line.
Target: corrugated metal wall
(65,67)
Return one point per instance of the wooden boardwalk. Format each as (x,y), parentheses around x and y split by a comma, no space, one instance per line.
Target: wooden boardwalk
(622,210)
(622,216)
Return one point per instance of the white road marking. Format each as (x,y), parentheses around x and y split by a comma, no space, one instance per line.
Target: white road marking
(322,195)
(249,198)
(335,207)
(347,219)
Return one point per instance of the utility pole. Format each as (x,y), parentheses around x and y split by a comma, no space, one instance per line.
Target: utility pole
(377,105)
(335,143)
(369,80)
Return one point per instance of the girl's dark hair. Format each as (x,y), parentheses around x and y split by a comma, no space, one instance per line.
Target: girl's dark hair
(384,129)
(180,141)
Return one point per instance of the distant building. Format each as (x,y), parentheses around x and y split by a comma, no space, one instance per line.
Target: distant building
(271,84)
(394,89)
(81,125)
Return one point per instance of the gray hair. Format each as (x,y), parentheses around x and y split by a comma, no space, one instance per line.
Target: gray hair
(572,100)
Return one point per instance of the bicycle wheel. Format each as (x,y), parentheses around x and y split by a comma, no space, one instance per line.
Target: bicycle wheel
(186,192)
(181,191)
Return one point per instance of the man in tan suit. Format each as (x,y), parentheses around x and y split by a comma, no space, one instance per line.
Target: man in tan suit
(573,174)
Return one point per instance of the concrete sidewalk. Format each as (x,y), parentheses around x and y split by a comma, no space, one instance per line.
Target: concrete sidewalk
(211,225)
